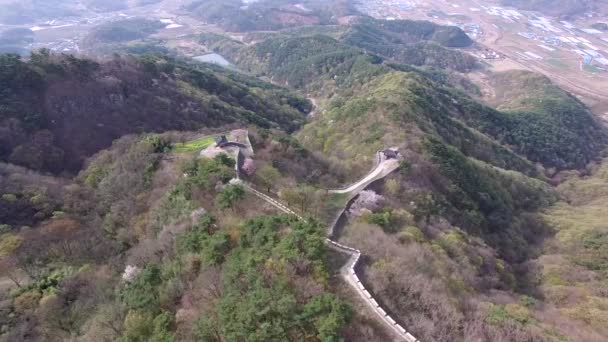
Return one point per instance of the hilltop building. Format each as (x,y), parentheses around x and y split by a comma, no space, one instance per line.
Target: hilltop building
(221,141)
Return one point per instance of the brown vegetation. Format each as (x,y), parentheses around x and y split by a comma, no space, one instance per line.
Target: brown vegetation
(59,110)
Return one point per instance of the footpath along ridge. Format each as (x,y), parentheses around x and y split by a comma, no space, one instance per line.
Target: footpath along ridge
(383,168)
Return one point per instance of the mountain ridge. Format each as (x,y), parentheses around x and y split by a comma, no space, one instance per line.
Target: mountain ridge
(81,105)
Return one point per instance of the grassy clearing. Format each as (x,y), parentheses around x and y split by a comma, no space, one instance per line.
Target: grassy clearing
(193,145)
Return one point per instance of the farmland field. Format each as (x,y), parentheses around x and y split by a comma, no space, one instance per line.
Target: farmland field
(193,145)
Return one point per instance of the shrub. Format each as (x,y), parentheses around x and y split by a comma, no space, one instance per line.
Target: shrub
(230,195)
(4,228)
(216,247)
(206,330)
(411,234)
(142,293)
(9,243)
(138,326)
(27,301)
(392,187)
(501,314)
(10,198)
(225,160)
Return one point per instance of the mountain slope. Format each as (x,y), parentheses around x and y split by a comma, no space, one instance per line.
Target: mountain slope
(394,108)
(454,235)
(57,110)
(550,125)
(574,276)
(135,251)
(535,119)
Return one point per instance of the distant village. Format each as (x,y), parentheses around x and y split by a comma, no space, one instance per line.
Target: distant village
(549,36)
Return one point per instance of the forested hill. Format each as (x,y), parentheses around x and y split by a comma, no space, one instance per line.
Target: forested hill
(555,127)
(368,31)
(533,117)
(232,15)
(455,239)
(57,110)
(419,43)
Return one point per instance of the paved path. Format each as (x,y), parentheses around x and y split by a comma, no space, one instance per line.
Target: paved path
(271,200)
(350,276)
(383,168)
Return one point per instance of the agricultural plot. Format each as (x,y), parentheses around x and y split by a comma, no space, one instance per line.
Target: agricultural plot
(193,145)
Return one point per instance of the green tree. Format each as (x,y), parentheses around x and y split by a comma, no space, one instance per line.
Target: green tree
(4,228)
(158,144)
(230,195)
(206,330)
(162,328)
(193,240)
(328,314)
(142,293)
(225,159)
(215,248)
(10,198)
(268,175)
(304,195)
(138,326)
(258,301)
(383,218)
(289,195)
(392,186)
(142,326)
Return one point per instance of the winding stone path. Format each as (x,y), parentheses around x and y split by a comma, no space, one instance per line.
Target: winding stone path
(383,168)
